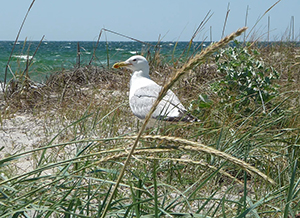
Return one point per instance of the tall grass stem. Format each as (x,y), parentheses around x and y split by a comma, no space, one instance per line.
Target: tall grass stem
(196,60)
(16,40)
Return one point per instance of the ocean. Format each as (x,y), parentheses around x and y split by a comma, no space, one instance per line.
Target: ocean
(54,56)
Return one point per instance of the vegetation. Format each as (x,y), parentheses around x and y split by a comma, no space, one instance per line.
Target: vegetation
(96,160)
(223,166)
(246,78)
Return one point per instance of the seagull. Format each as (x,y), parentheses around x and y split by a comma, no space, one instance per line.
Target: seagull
(144,92)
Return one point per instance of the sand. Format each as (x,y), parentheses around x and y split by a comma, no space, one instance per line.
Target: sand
(22,132)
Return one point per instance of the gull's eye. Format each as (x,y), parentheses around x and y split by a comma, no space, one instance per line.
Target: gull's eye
(134,60)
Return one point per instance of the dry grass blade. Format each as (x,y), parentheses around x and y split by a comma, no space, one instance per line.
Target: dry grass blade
(196,60)
(163,150)
(96,46)
(31,60)
(128,37)
(12,50)
(259,19)
(226,18)
(198,163)
(195,146)
(136,152)
(197,31)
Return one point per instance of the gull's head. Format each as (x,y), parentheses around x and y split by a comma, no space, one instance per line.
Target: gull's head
(136,63)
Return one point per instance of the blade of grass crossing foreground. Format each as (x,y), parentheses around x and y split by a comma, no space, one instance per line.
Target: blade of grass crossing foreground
(296,189)
(135,202)
(90,196)
(101,206)
(254,211)
(139,193)
(207,201)
(205,181)
(214,214)
(155,164)
(223,208)
(175,201)
(290,189)
(268,197)
(245,190)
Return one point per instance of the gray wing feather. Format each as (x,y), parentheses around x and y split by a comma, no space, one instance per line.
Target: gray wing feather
(145,97)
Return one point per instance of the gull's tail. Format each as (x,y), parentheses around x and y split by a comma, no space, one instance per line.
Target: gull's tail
(187,117)
(184,116)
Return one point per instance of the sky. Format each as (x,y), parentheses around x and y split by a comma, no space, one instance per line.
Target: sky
(168,20)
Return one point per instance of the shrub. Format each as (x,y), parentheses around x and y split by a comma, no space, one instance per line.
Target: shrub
(246,78)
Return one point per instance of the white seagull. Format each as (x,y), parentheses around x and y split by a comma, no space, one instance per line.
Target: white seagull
(144,91)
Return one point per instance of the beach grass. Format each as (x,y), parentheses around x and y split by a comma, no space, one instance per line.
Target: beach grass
(237,162)
(96,160)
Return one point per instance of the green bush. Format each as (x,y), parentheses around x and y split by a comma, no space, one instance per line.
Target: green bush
(246,78)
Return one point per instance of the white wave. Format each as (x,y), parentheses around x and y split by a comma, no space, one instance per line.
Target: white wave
(119,49)
(133,52)
(67,46)
(24,57)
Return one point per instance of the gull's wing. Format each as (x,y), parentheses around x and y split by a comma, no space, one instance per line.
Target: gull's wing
(169,108)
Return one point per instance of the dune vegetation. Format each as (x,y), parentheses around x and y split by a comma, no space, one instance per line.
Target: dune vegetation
(93,158)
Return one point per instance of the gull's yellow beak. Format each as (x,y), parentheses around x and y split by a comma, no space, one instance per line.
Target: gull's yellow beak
(121,64)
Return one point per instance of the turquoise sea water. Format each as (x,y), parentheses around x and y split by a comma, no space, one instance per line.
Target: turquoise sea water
(52,56)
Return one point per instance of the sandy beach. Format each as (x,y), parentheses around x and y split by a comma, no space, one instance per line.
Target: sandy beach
(20,133)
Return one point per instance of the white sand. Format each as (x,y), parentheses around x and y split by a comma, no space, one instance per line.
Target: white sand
(18,134)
